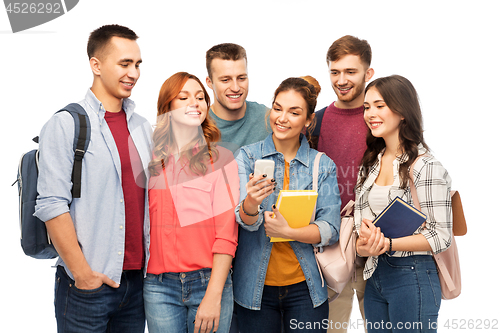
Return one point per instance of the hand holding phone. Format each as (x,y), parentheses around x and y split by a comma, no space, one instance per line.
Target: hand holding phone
(264,167)
(259,187)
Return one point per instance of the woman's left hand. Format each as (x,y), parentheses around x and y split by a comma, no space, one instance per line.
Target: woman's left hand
(375,244)
(366,229)
(208,314)
(276,225)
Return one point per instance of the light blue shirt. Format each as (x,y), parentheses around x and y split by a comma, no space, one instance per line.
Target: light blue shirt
(99,215)
(254,247)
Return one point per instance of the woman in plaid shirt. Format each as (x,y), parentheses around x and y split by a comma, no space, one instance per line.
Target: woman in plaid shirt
(403,290)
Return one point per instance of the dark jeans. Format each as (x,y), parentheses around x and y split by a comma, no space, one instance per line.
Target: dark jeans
(403,295)
(289,307)
(104,309)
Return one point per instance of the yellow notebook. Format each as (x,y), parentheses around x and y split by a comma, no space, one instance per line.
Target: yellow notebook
(297,207)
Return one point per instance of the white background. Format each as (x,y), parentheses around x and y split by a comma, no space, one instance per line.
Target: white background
(447,49)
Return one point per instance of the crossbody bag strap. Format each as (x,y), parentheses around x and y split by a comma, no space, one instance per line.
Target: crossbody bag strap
(315,179)
(313,217)
(316,171)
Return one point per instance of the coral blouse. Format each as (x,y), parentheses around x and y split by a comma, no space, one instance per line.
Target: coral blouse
(192,217)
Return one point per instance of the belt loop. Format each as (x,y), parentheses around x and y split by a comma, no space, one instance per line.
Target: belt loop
(160,277)
(202,277)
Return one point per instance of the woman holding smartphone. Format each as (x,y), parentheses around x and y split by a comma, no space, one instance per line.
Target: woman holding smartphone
(278,284)
(403,290)
(192,195)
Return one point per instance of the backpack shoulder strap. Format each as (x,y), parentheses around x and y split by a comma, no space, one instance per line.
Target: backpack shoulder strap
(80,143)
(439,263)
(319,118)
(413,189)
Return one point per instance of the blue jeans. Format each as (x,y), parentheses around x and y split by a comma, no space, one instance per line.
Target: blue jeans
(403,294)
(172,299)
(104,309)
(289,308)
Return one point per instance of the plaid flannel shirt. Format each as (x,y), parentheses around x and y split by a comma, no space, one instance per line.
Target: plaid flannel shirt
(433,186)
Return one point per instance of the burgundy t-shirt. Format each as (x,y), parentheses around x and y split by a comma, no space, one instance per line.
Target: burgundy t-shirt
(343,139)
(133,186)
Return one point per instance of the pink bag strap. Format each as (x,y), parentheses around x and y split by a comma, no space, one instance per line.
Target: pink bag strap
(413,189)
(313,217)
(315,179)
(441,266)
(348,208)
(316,171)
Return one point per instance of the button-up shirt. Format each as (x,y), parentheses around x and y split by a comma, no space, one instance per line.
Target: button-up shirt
(433,185)
(254,246)
(192,216)
(99,214)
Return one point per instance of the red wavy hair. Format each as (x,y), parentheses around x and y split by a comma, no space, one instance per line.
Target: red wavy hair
(163,138)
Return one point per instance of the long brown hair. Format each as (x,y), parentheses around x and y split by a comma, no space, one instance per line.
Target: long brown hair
(402,98)
(163,137)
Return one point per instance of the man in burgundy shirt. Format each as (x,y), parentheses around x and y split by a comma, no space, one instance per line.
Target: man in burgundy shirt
(341,133)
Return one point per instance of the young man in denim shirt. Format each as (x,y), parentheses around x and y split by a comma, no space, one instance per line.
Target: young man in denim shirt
(99,236)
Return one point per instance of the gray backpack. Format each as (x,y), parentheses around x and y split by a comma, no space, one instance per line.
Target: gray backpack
(34,238)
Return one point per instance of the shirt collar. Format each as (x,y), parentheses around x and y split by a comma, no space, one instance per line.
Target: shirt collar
(403,158)
(302,155)
(128,105)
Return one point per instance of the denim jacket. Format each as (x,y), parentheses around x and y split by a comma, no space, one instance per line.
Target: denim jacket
(254,247)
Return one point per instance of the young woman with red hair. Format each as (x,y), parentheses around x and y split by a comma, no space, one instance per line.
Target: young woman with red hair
(193,234)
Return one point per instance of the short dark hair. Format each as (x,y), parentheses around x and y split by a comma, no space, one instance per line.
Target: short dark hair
(100,37)
(224,51)
(350,45)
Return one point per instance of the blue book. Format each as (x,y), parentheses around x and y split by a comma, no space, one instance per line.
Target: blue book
(399,219)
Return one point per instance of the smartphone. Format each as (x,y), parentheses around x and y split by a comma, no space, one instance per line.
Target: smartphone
(264,167)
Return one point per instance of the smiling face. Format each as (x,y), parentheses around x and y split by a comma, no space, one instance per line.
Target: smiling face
(117,72)
(288,116)
(382,121)
(348,76)
(189,108)
(230,85)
